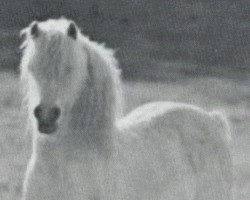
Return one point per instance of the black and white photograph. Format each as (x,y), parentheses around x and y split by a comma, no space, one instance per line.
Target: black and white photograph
(124,100)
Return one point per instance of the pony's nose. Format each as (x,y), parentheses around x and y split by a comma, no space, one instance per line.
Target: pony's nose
(46,118)
(38,112)
(47,115)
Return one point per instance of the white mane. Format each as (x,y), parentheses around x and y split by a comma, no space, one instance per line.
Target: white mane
(162,150)
(102,65)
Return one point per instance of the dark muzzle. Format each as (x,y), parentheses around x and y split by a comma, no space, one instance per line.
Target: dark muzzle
(47,118)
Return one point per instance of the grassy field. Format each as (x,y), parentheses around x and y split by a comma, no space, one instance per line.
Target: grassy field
(231,96)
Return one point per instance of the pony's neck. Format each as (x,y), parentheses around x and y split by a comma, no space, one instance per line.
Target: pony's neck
(92,119)
(94,113)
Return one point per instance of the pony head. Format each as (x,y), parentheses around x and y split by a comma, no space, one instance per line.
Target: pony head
(58,63)
(54,64)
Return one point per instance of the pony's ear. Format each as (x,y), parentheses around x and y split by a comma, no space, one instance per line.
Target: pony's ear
(34,30)
(72,31)
(23,35)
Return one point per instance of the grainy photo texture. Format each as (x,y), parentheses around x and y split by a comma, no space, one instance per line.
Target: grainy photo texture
(124,100)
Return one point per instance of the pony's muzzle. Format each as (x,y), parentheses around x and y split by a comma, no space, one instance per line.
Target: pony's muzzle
(47,118)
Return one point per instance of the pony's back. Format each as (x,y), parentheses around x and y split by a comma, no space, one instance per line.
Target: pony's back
(183,149)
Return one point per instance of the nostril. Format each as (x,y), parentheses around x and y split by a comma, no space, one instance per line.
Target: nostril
(55,113)
(38,111)
(45,114)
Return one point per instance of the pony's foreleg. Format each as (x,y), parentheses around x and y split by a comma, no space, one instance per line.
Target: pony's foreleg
(41,182)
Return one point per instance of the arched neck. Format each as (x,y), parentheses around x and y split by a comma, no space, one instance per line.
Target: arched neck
(91,119)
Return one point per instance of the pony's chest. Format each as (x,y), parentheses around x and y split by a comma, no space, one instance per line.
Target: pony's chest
(86,179)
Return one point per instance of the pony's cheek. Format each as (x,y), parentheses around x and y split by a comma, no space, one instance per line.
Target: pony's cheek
(65,101)
(70,92)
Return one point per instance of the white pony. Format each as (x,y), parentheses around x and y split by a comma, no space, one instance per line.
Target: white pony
(84,149)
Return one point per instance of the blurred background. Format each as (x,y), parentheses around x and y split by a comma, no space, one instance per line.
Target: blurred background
(194,51)
(153,38)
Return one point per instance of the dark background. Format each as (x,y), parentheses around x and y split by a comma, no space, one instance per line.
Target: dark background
(154,39)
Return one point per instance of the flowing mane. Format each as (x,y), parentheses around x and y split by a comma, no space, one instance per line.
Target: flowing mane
(103,80)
